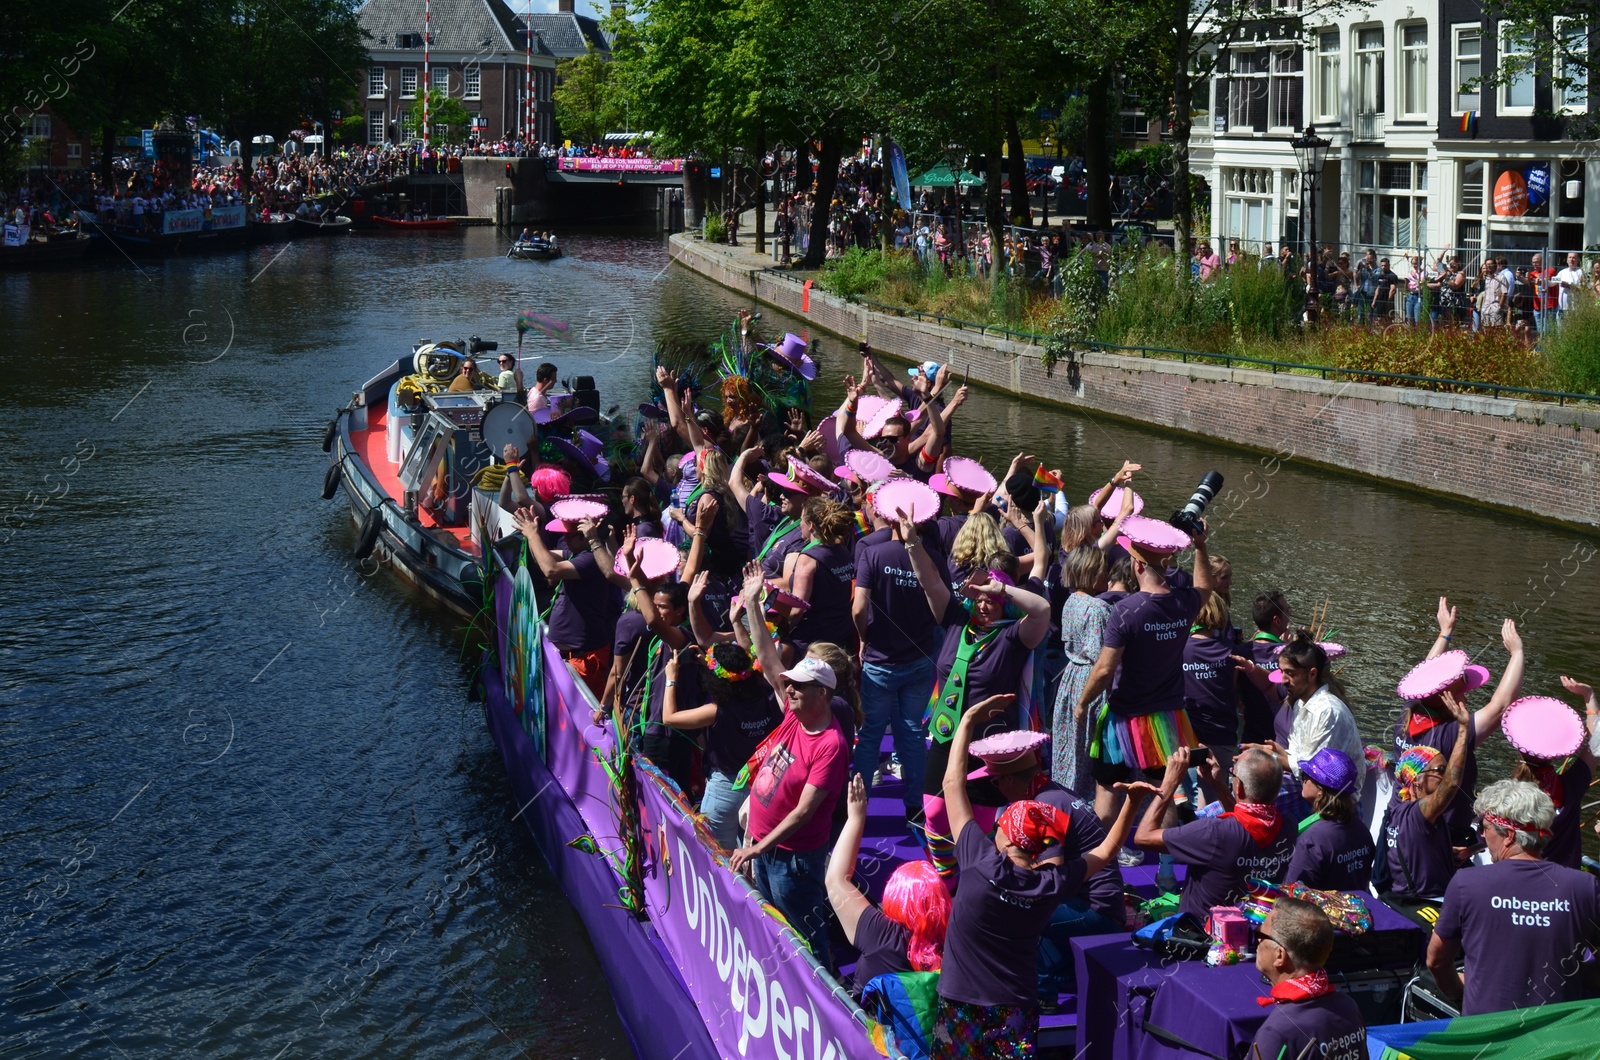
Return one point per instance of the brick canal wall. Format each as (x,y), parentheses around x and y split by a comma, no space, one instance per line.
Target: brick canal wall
(1522,456)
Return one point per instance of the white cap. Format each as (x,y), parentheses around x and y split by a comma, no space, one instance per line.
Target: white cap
(811,669)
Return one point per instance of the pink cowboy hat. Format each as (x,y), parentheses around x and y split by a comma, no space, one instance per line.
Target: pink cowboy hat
(1003,749)
(1432,676)
(868,466)
(873,412)
(657,558)
(1113,505)
(1154,537)
(908,495)
(815,481)
(1543,728)
(779,595)
(964,473)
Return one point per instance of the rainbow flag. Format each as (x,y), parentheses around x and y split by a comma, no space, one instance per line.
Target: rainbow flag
(1047,481)
(1544,1032)
(1469,123)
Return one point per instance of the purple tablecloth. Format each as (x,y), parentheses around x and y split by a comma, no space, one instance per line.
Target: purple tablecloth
(1124,992)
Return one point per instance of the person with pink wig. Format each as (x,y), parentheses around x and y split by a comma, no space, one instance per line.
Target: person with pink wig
(905,933)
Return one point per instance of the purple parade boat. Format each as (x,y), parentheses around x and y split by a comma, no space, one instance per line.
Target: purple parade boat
(699,966)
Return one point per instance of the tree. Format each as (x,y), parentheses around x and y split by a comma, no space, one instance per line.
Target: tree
(442,110)
(1557,40)
(586,99)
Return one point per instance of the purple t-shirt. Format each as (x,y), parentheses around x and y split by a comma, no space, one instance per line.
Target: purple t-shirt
(1152,629)
(1329,1027)
(1566,841)
(1420,859)
(1103,890)
(742,723)
(1442,737)
(760,519)
(585,612)
(1523,926)
(995,670)
(1209,694)
(882,944)
(1257,707)
(1333,856)
(901,627)
(828,617)
(991,950)
(1220,854)
(631,633)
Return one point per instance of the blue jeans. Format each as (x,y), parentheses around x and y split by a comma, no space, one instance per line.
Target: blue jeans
(1072,919)
(896,698)
(1413,308)
(720,804)
(793,881)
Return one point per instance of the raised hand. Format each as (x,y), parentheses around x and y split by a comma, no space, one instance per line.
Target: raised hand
(1510,637)
(856,799)
(755,581)
(697,588)
(1125,475)
(705,512)
(1447,618)
(1577,688)
(1456,705)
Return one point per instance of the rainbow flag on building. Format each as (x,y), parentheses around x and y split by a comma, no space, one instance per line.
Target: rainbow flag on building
(1469,123)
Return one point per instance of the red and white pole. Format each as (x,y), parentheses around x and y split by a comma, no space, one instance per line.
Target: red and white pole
(427,78)
(529,130)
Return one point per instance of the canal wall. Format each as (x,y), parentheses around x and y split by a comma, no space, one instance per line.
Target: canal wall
(1527,457)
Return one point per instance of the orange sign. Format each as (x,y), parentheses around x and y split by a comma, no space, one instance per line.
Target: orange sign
(1510,194)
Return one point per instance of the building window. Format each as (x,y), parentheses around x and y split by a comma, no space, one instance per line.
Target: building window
(74,150)
(1247,90)
(375,83)
(1369,70)
(1516,65)
(375,127)
(1286,106)
(1328,75)
(1469,67)
(1414,71)
(1572,77)
(441,80)
(471,82)
(1249,195)
(408,82)
(1472,189)
(1392,204)
(39,128)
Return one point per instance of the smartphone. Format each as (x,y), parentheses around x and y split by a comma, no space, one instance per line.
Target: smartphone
(1198,755)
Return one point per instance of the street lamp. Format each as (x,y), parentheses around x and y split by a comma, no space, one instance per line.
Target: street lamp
(1045,183)
(1311,152)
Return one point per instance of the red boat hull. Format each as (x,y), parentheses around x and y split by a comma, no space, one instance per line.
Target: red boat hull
(390,222)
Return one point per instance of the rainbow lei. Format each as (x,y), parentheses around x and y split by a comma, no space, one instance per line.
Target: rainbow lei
(723,672)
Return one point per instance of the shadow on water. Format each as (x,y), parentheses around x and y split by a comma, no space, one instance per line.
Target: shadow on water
(249,809)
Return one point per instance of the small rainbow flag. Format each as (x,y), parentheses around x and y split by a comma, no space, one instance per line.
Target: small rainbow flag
(1047,481)
(1469,123)
(863,528)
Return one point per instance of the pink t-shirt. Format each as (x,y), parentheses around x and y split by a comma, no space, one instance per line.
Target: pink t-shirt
(798,758)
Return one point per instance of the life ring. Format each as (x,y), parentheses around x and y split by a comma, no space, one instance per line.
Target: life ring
(330,482)
(371,523)
(329,434)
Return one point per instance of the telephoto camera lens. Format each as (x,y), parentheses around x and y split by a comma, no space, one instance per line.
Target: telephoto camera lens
(1187,518)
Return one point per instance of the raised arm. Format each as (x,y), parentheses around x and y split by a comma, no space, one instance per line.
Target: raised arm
(672,636)
(1035,624)
(1447,629)
(1487,720)
(1204,580)
(1121,478)
(1109,538)
(1117,834)
(551,566)
(928,576)
(1591,711)
(848,430)
(957,806)
(761,645)
(848,903)
(705,515)
(741,492)
(1433,806)
(1151,836)
(685,718)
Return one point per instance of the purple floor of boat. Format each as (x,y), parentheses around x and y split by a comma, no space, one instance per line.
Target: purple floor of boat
(888,842)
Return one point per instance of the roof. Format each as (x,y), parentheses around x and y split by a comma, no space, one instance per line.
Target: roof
(456,25)
(567,35)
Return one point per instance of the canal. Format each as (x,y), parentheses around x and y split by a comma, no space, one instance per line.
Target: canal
(249,809)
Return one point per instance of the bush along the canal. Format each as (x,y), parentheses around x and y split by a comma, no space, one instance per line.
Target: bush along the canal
(1573,348)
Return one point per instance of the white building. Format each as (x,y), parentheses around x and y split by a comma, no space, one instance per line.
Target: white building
(1418,163)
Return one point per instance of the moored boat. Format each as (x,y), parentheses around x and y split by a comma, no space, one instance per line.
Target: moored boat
(311,227)
(275,229)
(39,253)
(434,224)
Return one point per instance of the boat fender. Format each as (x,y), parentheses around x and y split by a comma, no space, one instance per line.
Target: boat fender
(329,434)
(371,523)
(330,482)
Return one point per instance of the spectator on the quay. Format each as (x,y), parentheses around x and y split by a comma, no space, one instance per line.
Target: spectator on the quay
(1522,922)
(1385,284)
(1307,1016)
(1569,283)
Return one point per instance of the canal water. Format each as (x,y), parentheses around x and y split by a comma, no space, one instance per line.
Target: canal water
(248,808)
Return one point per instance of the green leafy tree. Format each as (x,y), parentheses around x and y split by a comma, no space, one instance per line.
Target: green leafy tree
(442,110)
(1557,40)
(587,101)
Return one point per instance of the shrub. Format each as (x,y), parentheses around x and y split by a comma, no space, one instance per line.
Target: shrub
(715,231)
(1494,355)
(1572,350)
(1261,305)
(857,272)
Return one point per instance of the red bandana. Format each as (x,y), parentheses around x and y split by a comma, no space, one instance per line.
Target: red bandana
(1031,826)
(1424,716)
(1549,781)
(1263,822)
(1300,988)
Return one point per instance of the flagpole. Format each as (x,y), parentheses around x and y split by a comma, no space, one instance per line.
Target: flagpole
(427,79)
(527,88)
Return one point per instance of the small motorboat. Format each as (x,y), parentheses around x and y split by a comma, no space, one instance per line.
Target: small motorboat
(433,224)
(534,250)
(37,251)
(274,229)
(326,225)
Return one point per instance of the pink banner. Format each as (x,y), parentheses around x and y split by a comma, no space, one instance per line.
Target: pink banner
(751,978)
(623,165)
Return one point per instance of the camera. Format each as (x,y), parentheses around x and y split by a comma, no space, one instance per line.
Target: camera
(1187,518)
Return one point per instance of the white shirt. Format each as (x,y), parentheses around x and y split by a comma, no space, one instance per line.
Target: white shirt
(1569,276)
(1323,721)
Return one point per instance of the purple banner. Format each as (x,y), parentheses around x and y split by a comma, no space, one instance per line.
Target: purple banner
(623,165)
(751,978)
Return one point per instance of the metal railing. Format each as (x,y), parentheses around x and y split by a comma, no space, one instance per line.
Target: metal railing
(1228,360)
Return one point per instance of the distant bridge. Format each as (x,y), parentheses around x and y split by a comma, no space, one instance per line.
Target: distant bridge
(518,191)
